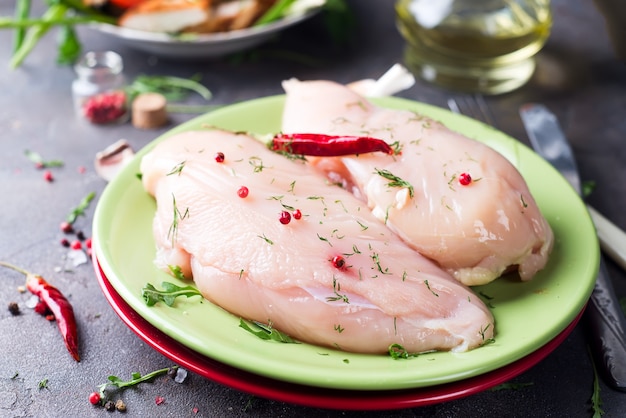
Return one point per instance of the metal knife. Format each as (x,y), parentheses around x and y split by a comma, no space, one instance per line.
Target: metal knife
(603,315)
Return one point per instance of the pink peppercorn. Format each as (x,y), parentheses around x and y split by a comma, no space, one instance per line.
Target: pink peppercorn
(94,398)
(66,227)
(243,192)
(339,262)
(465,179)
(105,107)
(285,217)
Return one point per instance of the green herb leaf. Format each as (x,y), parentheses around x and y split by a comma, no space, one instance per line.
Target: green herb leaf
(427,286)
(69,46)
(395,181)
(173,88)
(397,352)
(22,11)
(596,401)
(39,161)
(339,20)
(36,32)
(177,272)
(337,296)
(266,332)
(178,168)
(114,383)
(168,295)
(276,12)
(172,233)
(81,208)
(587,188)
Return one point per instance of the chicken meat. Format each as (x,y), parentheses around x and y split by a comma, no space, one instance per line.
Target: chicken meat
(269,239)
(451,198)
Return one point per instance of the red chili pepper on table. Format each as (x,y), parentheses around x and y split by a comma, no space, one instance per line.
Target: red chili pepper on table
(57,304)
(321,145)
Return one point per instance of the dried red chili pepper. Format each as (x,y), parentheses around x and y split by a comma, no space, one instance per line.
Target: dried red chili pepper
(328,145)
(58,305)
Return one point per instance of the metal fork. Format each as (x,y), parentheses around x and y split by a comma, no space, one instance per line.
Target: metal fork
(473,106)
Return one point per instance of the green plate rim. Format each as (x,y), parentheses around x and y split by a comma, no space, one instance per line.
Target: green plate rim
(528,315)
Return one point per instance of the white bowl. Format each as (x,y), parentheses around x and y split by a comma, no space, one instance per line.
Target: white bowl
(199,45)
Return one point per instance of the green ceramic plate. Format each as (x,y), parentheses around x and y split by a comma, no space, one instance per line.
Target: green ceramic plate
(528,315)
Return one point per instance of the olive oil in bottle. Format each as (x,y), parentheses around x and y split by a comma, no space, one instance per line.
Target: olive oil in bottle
(485,46)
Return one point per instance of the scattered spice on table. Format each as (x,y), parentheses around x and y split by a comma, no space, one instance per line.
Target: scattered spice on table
(51,298)
(43,384)
(120,405)
(47,176)
(14,308)
(67,226)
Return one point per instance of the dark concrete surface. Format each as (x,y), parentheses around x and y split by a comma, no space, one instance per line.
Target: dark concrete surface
(578,76)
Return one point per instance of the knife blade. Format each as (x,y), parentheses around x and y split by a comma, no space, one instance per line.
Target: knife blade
(604,317)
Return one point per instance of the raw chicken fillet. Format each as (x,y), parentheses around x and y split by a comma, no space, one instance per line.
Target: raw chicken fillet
(476,232)
(336,277)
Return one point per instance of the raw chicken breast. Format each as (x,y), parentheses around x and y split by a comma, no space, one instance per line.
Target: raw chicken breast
(475,231)
(335,277)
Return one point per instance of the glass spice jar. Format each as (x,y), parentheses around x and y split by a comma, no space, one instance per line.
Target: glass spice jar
(98,92)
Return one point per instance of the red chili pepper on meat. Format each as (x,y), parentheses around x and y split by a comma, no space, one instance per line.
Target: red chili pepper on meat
(328,145)
(58,305)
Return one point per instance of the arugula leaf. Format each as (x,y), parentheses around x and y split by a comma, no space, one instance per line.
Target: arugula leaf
(151,295)
(177,272)
(266,332)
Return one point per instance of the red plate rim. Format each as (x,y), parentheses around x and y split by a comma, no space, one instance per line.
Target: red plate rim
(309,395)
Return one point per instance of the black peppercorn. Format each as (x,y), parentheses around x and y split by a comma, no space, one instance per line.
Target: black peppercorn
(14,308)
(109,406)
